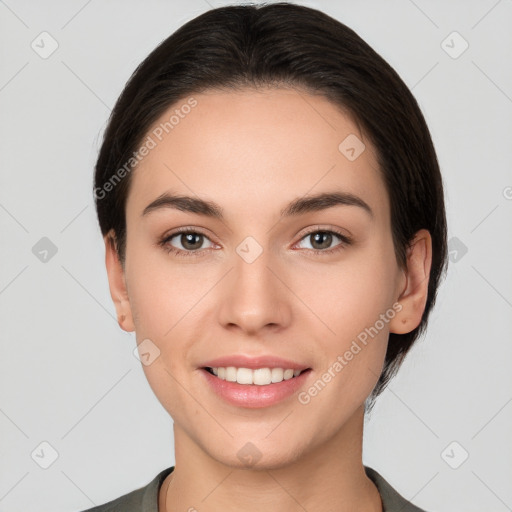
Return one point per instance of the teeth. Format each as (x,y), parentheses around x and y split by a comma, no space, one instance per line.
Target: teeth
(231,374)
(260,376)
(244,376)
(277,374)
(288,374)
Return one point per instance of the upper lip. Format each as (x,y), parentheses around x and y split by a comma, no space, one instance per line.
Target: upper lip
(243,361)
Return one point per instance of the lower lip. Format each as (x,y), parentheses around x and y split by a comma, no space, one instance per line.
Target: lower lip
(252,395)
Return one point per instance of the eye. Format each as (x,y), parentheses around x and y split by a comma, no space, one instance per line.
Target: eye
(189,242)
(320,240)
(185,242)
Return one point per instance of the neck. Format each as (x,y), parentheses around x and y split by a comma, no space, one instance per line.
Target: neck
(329,477)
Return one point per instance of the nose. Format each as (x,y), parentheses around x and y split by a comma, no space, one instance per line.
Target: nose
(254,298)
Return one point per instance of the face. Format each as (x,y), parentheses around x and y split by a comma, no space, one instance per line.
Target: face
(252,273)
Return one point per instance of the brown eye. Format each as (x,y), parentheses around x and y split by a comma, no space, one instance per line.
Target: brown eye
(322,241)
(186,242)
(191,241)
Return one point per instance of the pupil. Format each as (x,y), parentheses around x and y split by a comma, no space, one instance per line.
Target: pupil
(187,240)
(327,239)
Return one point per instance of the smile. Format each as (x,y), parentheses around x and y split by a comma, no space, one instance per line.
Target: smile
(254,387)
(258,376)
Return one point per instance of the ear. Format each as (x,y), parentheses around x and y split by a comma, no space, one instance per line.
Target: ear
(414,285)
(117,283)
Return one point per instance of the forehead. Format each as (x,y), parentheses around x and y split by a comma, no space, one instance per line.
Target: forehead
(254,148)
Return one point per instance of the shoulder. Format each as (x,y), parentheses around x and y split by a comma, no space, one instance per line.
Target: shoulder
(144,499)
(130,502)
(392,501)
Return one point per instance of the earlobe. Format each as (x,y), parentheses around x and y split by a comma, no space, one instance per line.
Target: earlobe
(117,283)
(413,294)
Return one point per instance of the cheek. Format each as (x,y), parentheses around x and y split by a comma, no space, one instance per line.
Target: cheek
(351,296)
(353,350)
(354,302)
(163,294)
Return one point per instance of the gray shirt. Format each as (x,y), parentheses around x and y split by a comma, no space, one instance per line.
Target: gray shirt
(145,499)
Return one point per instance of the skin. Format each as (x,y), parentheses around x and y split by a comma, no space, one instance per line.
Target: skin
(252,152)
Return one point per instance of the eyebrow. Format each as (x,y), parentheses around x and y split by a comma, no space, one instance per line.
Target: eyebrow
(299,206)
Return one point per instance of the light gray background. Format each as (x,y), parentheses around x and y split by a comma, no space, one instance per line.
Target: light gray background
(68,376)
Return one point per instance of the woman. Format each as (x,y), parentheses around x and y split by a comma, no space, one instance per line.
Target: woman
(275,232)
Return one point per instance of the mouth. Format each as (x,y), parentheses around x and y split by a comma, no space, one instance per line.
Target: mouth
(257,376)
(254,387)
(255,381)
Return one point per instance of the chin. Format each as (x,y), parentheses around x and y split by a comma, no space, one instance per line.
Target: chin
(258,455)
(260,463)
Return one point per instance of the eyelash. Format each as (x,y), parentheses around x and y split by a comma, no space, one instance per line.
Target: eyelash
(164,242)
